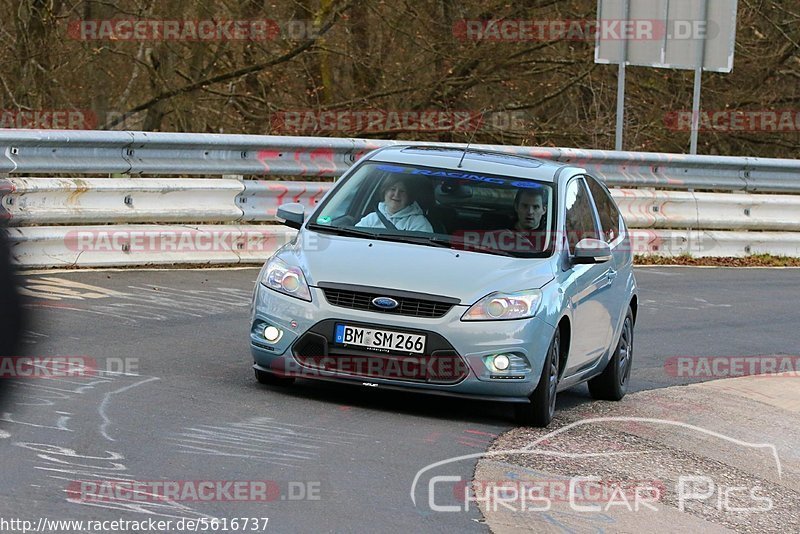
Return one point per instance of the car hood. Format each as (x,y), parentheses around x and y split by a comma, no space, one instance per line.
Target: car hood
(464,275)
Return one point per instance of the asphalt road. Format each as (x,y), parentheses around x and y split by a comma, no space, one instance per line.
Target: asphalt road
(189,409)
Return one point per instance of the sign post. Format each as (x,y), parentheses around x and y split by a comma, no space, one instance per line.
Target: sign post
(697,35)
(621,88)
(698,83)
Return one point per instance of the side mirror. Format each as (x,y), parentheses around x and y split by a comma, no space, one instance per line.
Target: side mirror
(292,214)
(589,251)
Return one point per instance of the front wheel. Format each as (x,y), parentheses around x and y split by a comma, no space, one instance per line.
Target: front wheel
(270,379)
(542,408)
(612,384)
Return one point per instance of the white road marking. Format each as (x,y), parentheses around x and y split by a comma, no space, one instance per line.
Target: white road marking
(107,397)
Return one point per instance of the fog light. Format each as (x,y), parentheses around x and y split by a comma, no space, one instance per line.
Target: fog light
(501,362)
(272,334)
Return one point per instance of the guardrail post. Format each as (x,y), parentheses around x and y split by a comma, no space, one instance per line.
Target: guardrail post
(6,187)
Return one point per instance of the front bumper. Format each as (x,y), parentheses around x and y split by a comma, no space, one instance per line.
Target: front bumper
(468,345)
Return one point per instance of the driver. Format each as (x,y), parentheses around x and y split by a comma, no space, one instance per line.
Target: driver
(530,224)
(530,208)
(528,230)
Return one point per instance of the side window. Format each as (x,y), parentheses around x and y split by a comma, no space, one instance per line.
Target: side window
(580,223)
(606,209)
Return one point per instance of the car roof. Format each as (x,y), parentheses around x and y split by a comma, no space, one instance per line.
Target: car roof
(475,160)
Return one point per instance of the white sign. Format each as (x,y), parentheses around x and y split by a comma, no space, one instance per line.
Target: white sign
(676,34)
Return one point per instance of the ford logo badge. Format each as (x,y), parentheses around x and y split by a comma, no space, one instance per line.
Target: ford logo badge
(385,303)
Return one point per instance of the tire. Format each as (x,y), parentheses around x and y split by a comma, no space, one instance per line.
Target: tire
(612,384)
(542,407)
(270,379)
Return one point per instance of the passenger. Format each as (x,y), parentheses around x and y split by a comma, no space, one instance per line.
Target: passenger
(399,207)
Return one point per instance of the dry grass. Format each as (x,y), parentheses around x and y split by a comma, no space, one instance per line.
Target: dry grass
(756,260)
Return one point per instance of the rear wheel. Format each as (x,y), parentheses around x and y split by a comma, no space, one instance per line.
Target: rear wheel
(542,408)
(270,379)
(612,384)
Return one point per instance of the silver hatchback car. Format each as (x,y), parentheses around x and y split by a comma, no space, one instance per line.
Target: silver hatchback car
(464,273)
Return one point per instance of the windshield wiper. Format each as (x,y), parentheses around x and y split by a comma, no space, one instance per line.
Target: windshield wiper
(343,230)
(425,240)
(495,251)
(454,242)
(357,232)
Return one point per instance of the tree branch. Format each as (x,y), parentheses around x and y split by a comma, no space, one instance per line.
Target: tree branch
(238,73)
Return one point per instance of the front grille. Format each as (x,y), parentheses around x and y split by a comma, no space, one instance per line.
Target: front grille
(411,306)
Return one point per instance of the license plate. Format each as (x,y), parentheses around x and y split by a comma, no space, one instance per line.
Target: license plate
(379,339)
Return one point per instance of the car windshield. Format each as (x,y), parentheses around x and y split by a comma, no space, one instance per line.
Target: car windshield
(491,214)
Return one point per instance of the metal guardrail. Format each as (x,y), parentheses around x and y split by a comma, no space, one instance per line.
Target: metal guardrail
(34,151)
(143,244)
(648,208)
(38,201)
(50,151)
(260,199)
(656,193)
(714,243)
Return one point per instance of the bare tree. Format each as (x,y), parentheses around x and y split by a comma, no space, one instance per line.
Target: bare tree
(376,55)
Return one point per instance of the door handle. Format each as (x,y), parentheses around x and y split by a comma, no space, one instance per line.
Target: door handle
(611,275)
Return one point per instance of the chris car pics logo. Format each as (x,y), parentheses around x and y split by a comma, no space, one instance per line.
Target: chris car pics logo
(438,488)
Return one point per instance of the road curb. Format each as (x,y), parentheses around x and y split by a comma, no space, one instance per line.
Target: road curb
(736,433)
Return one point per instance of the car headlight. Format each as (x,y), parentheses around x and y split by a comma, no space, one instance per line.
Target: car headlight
(288,280)
(501,306)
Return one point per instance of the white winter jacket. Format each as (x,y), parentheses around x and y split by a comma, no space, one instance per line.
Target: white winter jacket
(409,218)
